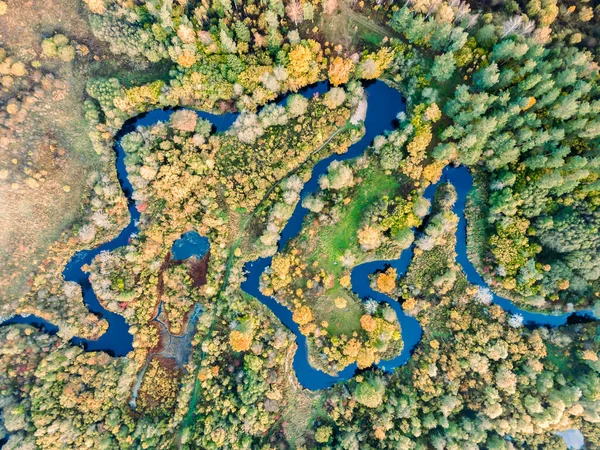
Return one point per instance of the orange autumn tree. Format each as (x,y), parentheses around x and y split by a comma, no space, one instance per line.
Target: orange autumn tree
(386,281)
(187,58)
(345,281)
(239,341)
(368,323)
(528,103)
(302,315)
(339,70)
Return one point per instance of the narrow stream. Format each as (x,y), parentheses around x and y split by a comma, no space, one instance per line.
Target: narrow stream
(384,104)
(381,100)
(116,341)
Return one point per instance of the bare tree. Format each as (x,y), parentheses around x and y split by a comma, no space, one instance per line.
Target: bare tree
(295,12)
(462,11)
(434,5)
(528,27)
(517,25)
(329,6)
(512,25)
(473,18)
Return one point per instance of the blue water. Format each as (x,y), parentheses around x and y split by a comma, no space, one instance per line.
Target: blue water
(384,104)
(462,181)
(117,340)
(34,321)
(188,245)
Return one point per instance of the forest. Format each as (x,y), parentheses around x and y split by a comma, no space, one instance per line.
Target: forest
(508,90)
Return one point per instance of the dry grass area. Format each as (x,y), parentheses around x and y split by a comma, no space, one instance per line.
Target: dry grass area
(47,157)
(27,21)
(301,408)
(338,28)
(51,143)
(33,220)
(351,29)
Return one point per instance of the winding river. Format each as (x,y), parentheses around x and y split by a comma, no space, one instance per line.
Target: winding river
(117,340)
(384,104)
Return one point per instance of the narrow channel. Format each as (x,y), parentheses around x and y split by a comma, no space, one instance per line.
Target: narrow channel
(384,103)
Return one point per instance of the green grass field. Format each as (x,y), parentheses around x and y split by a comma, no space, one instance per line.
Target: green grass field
(333,241)
(330,244)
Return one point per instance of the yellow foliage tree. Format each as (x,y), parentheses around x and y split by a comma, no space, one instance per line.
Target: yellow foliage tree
(281,271)
(300,58)
(433,172)
(340,302)
(417,146)
(369,237)
(365,357)
(303,67)
(352,348)
(302,315)
(433,113)
(339,70)
(323,434)
(416,149)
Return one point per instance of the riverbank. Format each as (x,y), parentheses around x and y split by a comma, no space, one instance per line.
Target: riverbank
(118,340)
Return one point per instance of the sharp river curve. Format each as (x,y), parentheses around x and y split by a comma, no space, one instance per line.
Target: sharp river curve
(384,105)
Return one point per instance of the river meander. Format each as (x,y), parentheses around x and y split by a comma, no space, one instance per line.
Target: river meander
(384,103)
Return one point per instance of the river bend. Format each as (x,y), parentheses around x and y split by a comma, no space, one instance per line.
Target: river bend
(384,103)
